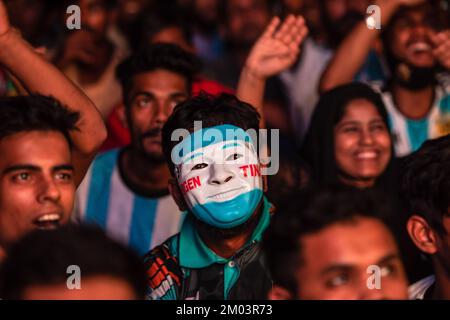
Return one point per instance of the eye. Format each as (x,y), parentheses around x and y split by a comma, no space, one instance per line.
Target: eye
(23,176)
(378,127)
(387,270)
(199,166)
(234,156)
(64,176)
(337,281)
(350,129)
(143,102)
(174,102)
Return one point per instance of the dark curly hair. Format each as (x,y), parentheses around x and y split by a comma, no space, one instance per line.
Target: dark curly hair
(35,113)
(426,182)
(153,57)
(211,111)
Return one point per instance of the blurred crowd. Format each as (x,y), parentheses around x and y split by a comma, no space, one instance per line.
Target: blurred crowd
(363,116)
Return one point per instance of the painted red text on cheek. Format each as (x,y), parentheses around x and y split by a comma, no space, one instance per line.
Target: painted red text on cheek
(251,170)
(191,184)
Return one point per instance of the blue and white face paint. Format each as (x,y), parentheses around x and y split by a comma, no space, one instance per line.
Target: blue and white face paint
(219,175)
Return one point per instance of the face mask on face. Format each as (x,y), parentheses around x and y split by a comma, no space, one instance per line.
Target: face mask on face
(219,175)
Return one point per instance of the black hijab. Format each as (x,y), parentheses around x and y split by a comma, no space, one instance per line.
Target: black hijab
(318,146)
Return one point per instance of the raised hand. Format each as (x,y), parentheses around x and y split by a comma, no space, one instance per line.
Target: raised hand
(441,51)
(278,48)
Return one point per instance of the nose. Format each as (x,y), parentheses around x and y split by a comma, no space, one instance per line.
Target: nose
(220,174)
(161,113)
(366,137)
(49,191)
(420,30)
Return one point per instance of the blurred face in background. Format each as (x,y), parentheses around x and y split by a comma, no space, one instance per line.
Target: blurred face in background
(335,262)
(246,20)
(172,35)
(95,15)
(151,101)
(409,36)
(206,13)
(129,10)
(294,6)
(27,16)
(362,144)
(341,16)
(337,9)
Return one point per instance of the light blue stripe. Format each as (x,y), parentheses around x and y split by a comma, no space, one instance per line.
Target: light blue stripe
(444,104)
(100,188)
(142,223)
(417,132)
(206,137)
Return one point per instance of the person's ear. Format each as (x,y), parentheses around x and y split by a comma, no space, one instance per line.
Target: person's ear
(175,191)
(423,236)
(121,114)
(279,293)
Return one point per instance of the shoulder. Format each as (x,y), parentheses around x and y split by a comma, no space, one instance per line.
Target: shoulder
(418,290)
(163,271)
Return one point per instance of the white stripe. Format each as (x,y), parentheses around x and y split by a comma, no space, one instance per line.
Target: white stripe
(167,221)
(399,127)
(82,195)
(120,209)
(435,115)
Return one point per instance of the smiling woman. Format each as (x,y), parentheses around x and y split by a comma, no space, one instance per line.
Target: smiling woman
(348,141)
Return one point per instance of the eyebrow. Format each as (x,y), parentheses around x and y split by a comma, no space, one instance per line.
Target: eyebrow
(388,258)
(151,95)
(141,93)
(29,167)
(354,122)
(230,145)
(347,267)
(195,156)
(336,268)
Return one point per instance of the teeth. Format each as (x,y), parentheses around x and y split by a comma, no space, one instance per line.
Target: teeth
(366,155)
(223,195)
(49,217)
(420,47)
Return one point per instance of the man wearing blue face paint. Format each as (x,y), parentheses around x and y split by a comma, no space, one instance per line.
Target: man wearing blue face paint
(217,180)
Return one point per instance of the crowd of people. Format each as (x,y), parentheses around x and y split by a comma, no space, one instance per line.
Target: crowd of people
(96,176)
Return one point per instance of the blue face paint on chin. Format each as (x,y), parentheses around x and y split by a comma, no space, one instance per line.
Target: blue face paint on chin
(231,213)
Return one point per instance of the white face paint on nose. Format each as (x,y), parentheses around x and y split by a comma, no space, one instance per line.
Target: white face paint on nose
(220,174)
(221,182)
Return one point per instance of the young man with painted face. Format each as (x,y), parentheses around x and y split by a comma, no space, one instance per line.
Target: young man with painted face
(125,191)
(334,244)
(45,148)
(416,42)
(136,207)
(217,180)
(426,187)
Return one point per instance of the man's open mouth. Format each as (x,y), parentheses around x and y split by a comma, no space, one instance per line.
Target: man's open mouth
(227,194)
(420,47)
(48,221)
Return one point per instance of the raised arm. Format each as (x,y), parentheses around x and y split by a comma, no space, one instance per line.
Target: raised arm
(352,53)
(40,77)
(275,51)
